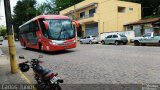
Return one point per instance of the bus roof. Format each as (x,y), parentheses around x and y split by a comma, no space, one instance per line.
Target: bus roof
(46,17)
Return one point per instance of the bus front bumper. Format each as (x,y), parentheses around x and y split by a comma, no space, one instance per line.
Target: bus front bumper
(62,47)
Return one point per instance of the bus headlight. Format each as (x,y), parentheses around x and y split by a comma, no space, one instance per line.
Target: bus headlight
(52,43)
(74,41)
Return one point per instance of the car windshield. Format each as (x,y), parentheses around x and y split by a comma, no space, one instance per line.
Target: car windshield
(122,35)
(61,29)
(147,35)
(93,36)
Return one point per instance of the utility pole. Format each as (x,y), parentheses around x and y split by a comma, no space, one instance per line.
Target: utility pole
(12,49)
(75,17)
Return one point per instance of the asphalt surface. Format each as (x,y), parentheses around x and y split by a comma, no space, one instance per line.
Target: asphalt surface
(100,64)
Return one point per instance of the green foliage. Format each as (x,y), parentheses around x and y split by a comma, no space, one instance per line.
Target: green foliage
(2,31)
(150,8)
(42,8)
(47,7)
(54,6)
(63,4)
(23,11)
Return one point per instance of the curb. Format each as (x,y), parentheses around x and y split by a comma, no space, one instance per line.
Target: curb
(26,78)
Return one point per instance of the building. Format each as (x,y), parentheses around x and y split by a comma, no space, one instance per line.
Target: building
(99,16)
(142,27)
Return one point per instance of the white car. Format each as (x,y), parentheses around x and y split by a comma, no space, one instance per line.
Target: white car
(89,39)
(148,38)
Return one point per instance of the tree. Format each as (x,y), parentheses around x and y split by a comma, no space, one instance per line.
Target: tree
(63,4)
(149,7)
(54,6)
(43,8)
(23,11)
(47,7)
(2,31)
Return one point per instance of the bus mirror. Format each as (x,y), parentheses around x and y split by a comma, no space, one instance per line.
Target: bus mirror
(75,23)
(46,25)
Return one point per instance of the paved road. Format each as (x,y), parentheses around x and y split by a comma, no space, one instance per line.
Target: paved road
(92,64)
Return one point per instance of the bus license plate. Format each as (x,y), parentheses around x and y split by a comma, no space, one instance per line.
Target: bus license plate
(65,47)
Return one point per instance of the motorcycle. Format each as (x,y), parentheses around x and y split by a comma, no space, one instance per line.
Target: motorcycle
(46,79)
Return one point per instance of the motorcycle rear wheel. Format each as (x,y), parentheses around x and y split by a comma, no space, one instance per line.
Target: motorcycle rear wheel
(56,87)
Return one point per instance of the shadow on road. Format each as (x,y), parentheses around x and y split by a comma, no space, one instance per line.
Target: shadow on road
(50,53)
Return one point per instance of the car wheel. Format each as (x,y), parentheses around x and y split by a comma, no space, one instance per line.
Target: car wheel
(136,43)
(103,42)
(116,43)
(81,42)
(90,42)
(124,43)
(143,44)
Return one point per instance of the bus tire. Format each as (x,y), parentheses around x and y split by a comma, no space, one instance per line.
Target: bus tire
(40,47)
(24,44)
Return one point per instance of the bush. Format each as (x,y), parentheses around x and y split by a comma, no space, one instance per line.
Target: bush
(2,31)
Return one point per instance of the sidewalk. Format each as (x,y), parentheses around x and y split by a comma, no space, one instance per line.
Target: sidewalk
(6,77)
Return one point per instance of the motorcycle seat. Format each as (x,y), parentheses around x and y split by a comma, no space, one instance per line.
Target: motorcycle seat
(41,71)
(45,72)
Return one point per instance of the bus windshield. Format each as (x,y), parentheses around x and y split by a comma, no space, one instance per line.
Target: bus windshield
(61,29)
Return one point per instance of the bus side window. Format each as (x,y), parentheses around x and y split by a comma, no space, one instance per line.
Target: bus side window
(33,26)
(44,31)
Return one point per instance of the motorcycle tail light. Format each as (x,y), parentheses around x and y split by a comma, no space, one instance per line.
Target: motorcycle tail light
(48,76)
(51,76)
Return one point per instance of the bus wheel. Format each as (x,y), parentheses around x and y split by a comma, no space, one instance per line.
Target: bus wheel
(25,45)
(40,47)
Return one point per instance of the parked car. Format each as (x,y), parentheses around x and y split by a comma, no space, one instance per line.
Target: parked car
(6,37)
(115,39)
(16,38)
(89,39)
(1,40)
(148,38)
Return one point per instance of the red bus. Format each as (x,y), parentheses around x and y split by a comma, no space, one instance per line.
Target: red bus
(48,33)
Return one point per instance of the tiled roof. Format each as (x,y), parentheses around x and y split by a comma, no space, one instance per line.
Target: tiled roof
(144,21)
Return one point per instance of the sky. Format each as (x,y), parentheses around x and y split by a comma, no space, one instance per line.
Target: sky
(12,4)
